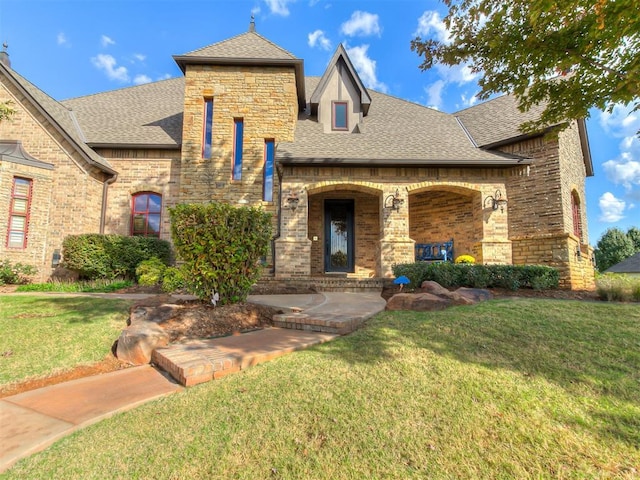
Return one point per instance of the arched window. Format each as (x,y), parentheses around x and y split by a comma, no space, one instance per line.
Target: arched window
(145,214)
(577,215)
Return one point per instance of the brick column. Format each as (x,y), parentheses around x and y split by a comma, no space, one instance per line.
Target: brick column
(495,246)
(395,244)
(293,247)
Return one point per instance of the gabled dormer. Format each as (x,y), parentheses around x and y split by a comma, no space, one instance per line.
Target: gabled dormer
(340,101)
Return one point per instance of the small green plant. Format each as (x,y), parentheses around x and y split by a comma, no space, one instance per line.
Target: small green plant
(150,272)
(91,286)
(173,279)
(15,274)
(465,259)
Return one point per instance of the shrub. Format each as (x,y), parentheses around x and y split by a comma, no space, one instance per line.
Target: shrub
(150,272)
(465,259)
(221,246)
(173,279)
(451,275)
(95,256)
(618,288)
(15,274)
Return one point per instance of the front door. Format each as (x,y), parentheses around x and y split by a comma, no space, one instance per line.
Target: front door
(338,234)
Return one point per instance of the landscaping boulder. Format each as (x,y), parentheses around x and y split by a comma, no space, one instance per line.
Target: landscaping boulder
(138,341)
(434,296)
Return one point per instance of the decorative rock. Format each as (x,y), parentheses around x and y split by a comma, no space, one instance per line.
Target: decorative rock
(137,342)
(475,294)
(436,297)
(435,288)
(418,302)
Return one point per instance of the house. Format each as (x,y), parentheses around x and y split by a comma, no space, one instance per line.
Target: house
(629,266)
(354,178)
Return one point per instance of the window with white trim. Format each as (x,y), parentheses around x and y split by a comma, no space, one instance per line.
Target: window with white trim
(19,212)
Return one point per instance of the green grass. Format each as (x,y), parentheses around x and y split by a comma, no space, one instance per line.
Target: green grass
(45,335)
(504,389)
(94,286)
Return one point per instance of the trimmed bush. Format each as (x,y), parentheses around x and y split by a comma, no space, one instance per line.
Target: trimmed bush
(15,274)
(95,256)
(150,272)
(221,246)
(450,275)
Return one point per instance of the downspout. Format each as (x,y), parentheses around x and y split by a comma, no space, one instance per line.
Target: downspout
(103,210)
(280,172)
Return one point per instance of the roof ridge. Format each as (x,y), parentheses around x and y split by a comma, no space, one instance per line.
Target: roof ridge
(127,87)
(244,34)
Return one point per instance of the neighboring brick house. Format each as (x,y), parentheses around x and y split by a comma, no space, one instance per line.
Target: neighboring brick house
(353,177)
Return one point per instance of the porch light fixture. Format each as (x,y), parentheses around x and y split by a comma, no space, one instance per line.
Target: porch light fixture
(393,202)
(578,253)
(496,201)
(292,201)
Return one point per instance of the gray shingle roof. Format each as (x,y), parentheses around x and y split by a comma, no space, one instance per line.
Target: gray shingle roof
(249,45)
(629,265)
(148,114)
(396,131)
(59,115)
(497,120)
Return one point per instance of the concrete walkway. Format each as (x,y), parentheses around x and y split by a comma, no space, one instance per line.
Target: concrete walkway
(32,421)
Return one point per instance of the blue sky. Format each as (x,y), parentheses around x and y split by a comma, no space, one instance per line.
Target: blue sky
(75,48)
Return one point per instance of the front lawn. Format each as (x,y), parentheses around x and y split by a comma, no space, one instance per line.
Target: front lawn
(504,389)
(43,335)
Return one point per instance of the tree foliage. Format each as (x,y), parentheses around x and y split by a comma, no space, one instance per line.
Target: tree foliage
(6,111)
(614,246)
(590,46)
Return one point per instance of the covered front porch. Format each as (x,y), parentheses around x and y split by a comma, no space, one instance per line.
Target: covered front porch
(359,230)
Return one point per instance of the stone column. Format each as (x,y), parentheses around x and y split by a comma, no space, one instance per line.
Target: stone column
(395,244)
(293,247)
(495,246)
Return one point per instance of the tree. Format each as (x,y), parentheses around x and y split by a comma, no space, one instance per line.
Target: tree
(613,247)
(634,234)
(590,47)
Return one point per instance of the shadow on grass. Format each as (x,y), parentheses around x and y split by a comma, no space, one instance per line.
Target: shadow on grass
(80,309)
(584,347)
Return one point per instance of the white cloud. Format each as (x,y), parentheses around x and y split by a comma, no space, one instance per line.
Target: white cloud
(623,171)
(434,94)
(106,41)
(366,67)
(469,101)
(361,24)
(611,208)
(431,24)
(318,38)
(279,7)
(141,78)
(255,10)
(62,39)
(108,64)
(139,57)
(166,76)
(459,74)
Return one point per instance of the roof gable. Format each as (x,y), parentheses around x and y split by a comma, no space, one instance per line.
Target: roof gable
(59,116)
(339,58)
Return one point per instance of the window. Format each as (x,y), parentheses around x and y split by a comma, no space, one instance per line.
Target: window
(577,215)
(339,116)
(19,213)
(238,131)
(145,214)
(267,181)
(207,130)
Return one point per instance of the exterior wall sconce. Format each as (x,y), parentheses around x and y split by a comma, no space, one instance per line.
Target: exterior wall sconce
(393,202)
(578,253)
(496,201)
(292,201)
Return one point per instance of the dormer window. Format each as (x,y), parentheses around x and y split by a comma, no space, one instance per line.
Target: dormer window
(339,117)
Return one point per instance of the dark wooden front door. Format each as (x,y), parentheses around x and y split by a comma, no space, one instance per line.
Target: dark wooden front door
(338,235)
